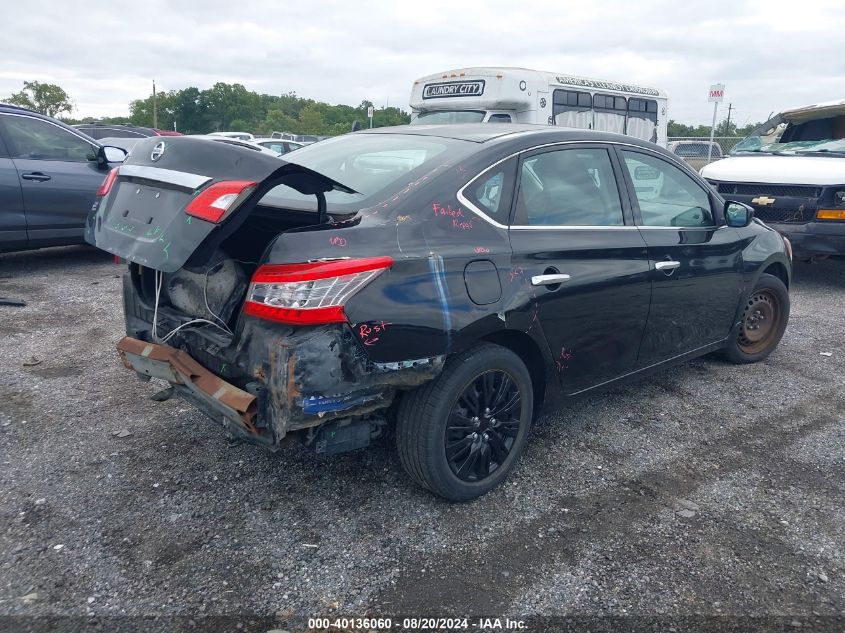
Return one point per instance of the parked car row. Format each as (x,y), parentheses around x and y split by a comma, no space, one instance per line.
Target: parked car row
(98,130)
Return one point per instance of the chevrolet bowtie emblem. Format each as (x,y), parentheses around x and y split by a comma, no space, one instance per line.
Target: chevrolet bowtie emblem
(763,201)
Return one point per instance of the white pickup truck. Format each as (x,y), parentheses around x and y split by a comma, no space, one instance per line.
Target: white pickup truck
(791,170)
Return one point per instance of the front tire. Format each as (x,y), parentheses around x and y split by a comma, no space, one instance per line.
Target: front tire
(763,322)
(461,434)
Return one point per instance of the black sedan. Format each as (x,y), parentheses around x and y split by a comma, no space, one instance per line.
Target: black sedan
(447,280)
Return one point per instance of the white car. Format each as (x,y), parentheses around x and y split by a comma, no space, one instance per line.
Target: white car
(281,146)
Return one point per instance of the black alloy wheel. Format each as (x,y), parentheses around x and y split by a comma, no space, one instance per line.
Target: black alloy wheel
(483,426)
(460,434)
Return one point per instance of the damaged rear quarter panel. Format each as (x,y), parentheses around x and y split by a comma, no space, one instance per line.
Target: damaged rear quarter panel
(312,375)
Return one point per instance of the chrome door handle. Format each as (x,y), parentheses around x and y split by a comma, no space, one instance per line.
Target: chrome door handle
(36,176)
(548,280)
(667,265)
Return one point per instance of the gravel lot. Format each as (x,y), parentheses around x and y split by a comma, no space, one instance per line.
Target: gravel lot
(707,490)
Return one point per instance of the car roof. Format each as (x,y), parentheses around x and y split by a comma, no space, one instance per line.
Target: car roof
(484,132)
(11,106)
(11,109)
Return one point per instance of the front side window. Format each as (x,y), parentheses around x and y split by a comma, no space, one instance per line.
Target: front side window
(41,140)
(568,187)
(666,195)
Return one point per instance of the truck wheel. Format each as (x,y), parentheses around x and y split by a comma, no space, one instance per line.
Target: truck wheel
(762,323)
(460,434)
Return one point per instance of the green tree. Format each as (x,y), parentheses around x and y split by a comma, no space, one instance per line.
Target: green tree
(311,120)
(224,103)
(239,125)
(726,128)
(278,121)
(48,99)
(231,106)
(187,111)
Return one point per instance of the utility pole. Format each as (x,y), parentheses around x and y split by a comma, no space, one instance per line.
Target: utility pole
(728,124)
(155,113)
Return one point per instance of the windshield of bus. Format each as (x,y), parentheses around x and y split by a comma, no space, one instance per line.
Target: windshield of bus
(822,136)
(449,116)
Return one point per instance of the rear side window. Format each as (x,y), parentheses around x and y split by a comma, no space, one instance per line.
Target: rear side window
(499,118)
(492,192)
(666,195)
(569,187)
(41,140)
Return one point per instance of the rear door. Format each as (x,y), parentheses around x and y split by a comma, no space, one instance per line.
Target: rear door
(58,177)
(574,244)
(696,260)
(12,216)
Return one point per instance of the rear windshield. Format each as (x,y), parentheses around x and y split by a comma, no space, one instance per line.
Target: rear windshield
(449,116)
(375,165)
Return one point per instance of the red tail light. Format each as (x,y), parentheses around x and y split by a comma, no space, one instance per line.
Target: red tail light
(312,293)
(214,203)
(107,183)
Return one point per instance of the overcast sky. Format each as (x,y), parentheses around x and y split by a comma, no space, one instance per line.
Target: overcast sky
(770,55)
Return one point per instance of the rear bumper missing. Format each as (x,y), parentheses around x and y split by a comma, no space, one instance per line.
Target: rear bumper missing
(297,381)
(229,405)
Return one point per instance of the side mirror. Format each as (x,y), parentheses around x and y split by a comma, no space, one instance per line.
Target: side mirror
(110,154)
(738,215)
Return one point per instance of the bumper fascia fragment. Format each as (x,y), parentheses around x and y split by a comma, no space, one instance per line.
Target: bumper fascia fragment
(227,404)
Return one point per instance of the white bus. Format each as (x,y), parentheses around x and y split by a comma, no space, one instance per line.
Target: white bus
(519,95)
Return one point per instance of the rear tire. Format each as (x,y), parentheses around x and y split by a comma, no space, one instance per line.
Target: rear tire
(763,322)
(461,434)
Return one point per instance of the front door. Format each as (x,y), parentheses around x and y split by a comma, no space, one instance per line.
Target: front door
(696,260)
(58,176)
(574,245)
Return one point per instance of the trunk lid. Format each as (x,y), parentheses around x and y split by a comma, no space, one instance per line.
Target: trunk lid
(142,218)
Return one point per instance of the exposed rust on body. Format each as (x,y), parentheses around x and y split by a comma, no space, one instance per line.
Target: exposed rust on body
(292,390)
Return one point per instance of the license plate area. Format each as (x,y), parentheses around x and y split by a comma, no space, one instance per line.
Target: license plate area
(145,211)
